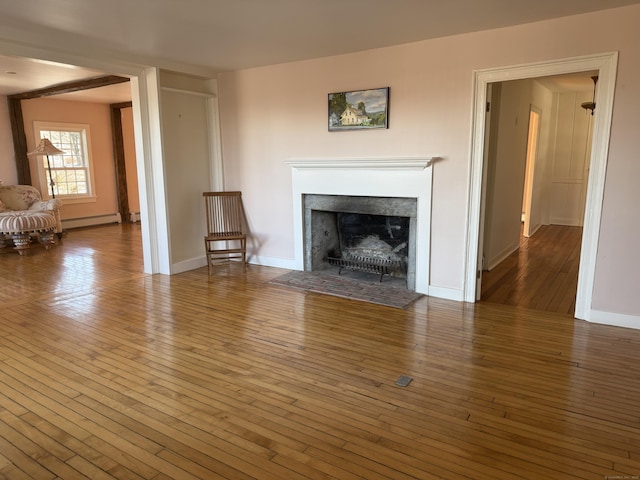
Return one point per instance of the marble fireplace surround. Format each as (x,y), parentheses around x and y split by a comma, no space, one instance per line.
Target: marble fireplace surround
(406,177)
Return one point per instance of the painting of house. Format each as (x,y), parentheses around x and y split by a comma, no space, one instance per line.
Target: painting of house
(352,116)
(361,109)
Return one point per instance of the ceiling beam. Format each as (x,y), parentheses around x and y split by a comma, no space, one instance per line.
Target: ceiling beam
(70,87)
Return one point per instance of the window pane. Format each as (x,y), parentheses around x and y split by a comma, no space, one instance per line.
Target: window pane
(69,169)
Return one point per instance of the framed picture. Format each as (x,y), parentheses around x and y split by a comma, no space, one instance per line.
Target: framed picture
(359,110)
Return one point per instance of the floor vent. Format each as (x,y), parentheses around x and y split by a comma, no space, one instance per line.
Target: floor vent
(403,380)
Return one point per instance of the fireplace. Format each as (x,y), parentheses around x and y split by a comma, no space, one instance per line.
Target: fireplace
(382,182)
(367,234)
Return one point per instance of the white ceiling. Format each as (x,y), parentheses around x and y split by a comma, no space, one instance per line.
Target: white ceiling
(19,75)
(203,37)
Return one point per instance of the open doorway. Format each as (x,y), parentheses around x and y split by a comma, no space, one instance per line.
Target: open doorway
(537,169)
(144,94)
(605,66)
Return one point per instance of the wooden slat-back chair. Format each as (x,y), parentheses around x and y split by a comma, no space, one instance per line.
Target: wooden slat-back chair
(226,238)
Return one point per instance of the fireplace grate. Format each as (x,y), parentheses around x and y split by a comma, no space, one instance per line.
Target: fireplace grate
(379,266)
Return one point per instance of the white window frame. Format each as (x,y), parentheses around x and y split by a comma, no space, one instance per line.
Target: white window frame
(84,129)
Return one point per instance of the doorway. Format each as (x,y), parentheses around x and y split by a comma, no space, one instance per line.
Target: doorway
(605,65)
(537,165)
(145,92)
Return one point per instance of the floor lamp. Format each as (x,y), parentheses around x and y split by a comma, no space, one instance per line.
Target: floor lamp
(45,147)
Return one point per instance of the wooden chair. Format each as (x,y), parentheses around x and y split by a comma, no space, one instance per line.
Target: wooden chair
(226,238)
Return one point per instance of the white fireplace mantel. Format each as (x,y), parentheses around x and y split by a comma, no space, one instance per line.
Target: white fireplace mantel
(395,163)
(404,177)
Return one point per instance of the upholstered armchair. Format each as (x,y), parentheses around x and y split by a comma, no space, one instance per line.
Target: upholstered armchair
(14,198)
(24,215)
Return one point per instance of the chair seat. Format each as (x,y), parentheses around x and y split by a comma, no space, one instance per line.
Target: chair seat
(225,236)
(13,222)
(19,225)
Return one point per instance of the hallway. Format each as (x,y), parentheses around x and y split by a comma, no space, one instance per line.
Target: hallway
(541,275)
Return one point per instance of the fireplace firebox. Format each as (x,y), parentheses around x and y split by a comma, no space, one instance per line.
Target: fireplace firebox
(368,234)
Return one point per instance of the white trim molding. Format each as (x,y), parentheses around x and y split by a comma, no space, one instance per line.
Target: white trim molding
(615,319)
(92,221)
(188,265)
(272,262)
(606,65)
(445,293)
(395,163)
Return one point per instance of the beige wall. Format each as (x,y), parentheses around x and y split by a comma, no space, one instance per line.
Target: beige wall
(8,173)
(185,142)
(275,113)
(98,117)
(543,100)
(507,167)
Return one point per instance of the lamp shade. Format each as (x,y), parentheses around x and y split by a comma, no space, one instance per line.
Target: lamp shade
(45,147)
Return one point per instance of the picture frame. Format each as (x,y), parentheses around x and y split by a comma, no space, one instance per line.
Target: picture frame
(359,109)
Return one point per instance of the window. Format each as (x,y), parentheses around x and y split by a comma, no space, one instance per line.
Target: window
(70,171)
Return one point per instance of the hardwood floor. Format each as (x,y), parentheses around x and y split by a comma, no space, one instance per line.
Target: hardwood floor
(106,372)
(542,274)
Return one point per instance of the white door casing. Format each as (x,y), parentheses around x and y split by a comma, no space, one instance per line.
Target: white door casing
(606,65)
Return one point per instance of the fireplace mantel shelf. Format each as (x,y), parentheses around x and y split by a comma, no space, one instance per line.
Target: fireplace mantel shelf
(395,163)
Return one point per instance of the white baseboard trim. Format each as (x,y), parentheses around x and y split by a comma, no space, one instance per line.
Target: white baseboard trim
(272,262)
(497,259)
(187,265)
(134,217)
(91,221)
(616,319)
(446,293)
(535,229)
(568,222)
(200,262)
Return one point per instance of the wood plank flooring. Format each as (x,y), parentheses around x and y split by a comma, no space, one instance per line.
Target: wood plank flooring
(106,372)
(542,274)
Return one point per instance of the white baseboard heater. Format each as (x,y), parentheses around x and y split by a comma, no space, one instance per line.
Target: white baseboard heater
(92,221)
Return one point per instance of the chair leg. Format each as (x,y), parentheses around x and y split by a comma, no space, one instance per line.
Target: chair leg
(232,255)
(244,255)
(46,239)
(207,256)
(22,243)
